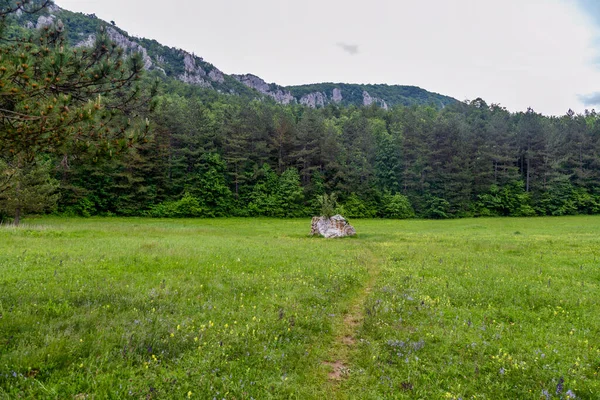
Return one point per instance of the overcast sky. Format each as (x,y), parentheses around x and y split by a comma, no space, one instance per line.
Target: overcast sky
(543,54)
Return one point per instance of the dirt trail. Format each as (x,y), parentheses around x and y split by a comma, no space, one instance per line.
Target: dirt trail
(347,328)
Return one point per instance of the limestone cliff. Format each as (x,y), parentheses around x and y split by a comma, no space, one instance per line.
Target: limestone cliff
(274,91)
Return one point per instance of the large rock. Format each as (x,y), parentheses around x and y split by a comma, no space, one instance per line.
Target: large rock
(333,227)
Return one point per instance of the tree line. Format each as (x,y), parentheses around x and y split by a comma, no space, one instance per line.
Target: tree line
(211,155)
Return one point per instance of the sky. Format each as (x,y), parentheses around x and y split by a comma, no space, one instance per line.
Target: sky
(543,54)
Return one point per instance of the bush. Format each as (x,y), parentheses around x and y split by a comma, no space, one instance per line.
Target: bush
(509,200)
(186,207)
(564,199)
(437,208)
(397,206)
(354,207)
(328,204)
(83,208)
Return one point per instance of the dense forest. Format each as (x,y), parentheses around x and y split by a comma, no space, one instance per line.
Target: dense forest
(215,155)
(207,154)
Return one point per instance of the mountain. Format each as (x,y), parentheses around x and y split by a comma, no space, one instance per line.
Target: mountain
(174,63)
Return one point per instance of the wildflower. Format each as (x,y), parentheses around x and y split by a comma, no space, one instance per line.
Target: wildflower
(189,394)
(545,393)
(570,394)
(560,386)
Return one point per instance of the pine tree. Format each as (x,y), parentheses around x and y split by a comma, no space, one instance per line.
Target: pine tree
(28,188)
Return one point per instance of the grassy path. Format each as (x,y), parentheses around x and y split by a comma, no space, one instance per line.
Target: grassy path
(347,328)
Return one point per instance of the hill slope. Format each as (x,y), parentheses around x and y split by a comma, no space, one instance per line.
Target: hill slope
(173,63)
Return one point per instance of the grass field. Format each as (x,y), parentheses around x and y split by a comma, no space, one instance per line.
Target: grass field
(254,308)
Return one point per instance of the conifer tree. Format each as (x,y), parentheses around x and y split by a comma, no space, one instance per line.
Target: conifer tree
(58,102)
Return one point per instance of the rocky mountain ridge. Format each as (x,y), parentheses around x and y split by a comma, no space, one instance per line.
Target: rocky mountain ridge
(188,68)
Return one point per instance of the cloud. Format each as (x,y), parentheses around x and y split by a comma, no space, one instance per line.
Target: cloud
(592,99)
(351,49)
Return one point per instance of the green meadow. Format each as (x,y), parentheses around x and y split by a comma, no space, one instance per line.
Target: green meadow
(256,309)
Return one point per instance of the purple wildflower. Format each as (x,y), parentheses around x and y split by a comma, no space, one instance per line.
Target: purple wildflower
(560,386)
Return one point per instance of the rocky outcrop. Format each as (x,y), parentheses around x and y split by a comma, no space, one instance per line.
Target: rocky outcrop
(333,227)
(44,21)
(368,100)
(193,79)
(337,95)
(216,75)
(189,62)
(193,73)
(89,42)
(129,46)
(53,8)
(314,100)
(254,82)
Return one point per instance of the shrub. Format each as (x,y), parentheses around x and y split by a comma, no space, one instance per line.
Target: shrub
(354,207)
(437,208)
(397,206)
(186,207)
(328,204)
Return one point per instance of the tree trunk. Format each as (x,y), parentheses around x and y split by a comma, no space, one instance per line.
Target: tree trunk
(17,216)
(495,171)
(18,207)
(236,182)
(528,174)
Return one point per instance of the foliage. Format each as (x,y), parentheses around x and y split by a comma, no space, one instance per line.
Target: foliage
(29,188)
(186,207)
(355,207)
(61,103)
(397,206)
(449,163)
(328,204)
(211,188)
(510,200)
(436,208)
(54,99)
(276,196)
(291,194)
(84,207)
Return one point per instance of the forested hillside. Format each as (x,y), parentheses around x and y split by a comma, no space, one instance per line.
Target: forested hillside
(170,63)
(205,152)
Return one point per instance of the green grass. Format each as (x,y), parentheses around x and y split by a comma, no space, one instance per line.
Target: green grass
(252,308)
